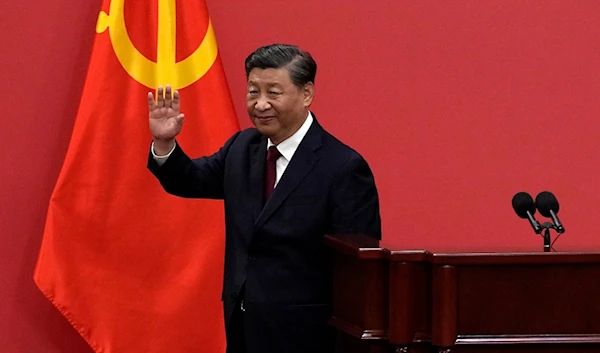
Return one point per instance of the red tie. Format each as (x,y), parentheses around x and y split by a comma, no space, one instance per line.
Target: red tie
(271,171)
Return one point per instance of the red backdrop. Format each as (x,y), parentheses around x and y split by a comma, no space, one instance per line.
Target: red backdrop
(456,105)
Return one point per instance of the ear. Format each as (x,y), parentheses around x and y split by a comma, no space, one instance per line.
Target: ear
(309,94)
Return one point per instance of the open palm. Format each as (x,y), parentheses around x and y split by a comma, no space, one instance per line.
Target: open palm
(164,113)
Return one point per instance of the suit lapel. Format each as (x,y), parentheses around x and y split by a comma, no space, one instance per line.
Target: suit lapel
(258,156)
(302,163)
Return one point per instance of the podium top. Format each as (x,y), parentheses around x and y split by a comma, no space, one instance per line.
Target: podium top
(365,247)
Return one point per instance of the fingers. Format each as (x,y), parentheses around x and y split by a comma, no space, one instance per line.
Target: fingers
(151,102)
(165,98)
(176,102)
(168,96)
(160,101)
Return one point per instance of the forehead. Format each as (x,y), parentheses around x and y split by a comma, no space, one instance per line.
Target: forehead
(269,76)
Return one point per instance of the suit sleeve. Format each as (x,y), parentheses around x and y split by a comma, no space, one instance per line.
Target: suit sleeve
(355,201)
(197,178)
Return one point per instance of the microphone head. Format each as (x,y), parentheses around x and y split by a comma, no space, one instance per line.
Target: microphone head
(523,202)
(545,202)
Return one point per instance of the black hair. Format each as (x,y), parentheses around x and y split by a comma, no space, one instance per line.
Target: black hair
(300,64)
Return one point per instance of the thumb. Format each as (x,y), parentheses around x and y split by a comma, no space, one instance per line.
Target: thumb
(179,118)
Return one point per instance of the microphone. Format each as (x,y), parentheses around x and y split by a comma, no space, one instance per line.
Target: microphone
(548,206)
(524,206)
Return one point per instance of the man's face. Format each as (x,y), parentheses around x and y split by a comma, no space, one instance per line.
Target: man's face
(275,105)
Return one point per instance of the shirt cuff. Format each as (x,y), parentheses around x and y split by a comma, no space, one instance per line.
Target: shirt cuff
(161,159)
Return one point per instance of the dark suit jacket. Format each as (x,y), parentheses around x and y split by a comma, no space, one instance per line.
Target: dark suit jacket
(277,250)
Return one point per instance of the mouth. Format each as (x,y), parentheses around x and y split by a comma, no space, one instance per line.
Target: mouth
(264,119)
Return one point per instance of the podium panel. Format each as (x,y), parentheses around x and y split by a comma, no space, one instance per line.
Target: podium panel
(389,300)
(505,300)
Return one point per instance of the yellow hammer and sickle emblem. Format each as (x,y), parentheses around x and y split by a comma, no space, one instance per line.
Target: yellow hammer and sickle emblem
(165,70)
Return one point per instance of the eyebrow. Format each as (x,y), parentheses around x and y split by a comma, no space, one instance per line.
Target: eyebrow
(269,85)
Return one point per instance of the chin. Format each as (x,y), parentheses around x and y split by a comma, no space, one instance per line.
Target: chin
(266,129)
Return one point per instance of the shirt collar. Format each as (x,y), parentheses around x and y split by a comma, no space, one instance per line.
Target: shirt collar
(288,147)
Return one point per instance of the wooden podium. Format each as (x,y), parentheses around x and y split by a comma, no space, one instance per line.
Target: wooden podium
(464,301)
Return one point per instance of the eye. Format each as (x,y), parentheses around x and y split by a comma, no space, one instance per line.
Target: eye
(252,91)
(273,93)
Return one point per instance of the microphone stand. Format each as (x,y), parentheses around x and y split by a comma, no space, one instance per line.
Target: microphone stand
(547,240)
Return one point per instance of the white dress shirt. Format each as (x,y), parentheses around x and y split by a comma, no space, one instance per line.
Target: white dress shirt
(287,148)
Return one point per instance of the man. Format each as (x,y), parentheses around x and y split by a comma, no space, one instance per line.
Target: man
(285,183)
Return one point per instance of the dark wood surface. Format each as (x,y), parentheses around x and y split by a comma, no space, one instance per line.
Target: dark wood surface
(465,300)
(360,297)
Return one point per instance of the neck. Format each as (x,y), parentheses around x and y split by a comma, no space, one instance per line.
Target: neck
(287,134)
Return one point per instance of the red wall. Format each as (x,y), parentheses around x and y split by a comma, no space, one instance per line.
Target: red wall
(456,105)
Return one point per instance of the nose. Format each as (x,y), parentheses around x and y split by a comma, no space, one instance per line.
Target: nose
(262,104)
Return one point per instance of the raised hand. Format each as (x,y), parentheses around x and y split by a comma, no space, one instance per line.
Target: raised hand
(165,118)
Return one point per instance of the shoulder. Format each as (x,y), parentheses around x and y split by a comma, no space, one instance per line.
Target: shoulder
(244,137)
(336,149)
(250,134)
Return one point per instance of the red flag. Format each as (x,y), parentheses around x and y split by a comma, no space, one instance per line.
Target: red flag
(133,268)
